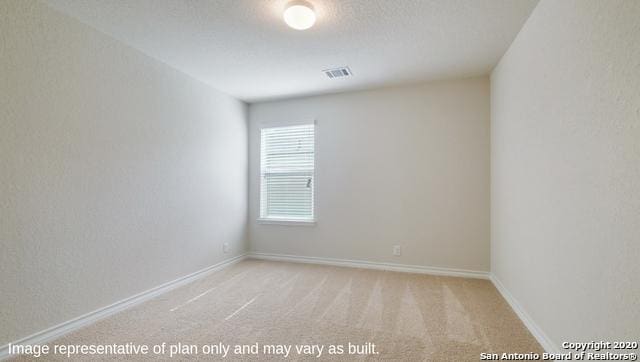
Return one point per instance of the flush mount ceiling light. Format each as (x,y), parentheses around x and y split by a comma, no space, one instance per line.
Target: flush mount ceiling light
(299,15)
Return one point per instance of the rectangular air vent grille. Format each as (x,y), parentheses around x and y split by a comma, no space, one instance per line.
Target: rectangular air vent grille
(338,72)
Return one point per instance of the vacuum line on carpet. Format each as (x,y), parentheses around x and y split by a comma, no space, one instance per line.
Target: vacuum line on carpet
(241,308)
(192,299)
(206,292)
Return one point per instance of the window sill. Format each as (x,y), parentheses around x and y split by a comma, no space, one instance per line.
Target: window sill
(288,222)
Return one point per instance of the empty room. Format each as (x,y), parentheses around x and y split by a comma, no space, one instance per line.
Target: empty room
(333,180)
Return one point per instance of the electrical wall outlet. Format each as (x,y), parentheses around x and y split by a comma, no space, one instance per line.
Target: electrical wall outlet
(397,250)
(225,248)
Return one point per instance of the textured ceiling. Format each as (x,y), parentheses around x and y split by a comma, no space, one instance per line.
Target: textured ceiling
(243,48)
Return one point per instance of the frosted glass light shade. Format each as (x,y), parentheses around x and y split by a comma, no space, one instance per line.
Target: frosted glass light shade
(299,15)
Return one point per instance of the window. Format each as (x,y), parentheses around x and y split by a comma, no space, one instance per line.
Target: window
(287,173)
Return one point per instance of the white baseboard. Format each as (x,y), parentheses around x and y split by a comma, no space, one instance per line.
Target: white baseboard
(373,265)
(61,329)
(533,327)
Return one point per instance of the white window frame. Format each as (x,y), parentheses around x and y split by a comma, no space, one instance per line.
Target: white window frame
(284,221)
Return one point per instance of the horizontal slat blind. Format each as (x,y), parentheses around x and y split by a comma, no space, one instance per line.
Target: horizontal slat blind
(287,170)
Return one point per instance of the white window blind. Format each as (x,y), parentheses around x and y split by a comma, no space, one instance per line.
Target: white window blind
(287,172)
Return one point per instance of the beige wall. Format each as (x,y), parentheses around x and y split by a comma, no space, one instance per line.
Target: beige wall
(407,166)
(117,173)
(565,135)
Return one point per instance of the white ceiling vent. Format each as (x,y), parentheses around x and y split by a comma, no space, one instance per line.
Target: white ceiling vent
(341,72)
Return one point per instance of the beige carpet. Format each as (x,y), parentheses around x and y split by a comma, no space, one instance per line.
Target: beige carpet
(408,317)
